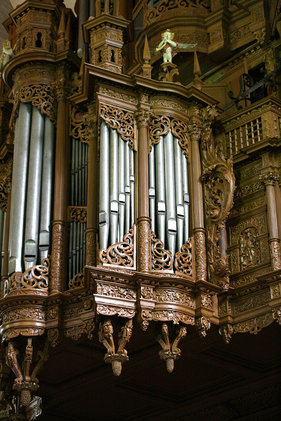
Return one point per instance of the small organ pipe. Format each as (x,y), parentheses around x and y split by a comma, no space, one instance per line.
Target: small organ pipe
(70,257)
(185,196)
(179,193)
(86,173)
(152,187)
(121,163)
(2,230)
(19,181)
(127,187)
(74,241)
(113,186)
(160,189)
(170,192)
(104,187)
(76,175)
(46,189)
(34,189)
(132,186)
(72,186)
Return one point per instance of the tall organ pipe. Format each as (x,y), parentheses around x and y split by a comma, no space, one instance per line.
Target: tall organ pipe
(121,163)
(127,187)
(2,232)
(160,189)
(46,189)
(185,196)
(34,189)
(132,185)
(104,186)
(19,182)
(113,186)
(170,192)
(152,188)
(179,194)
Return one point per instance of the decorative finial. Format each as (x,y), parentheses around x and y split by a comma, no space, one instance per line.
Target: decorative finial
(146,67)
(197,72)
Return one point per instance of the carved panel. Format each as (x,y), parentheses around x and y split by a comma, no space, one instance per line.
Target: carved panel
(161,258)
(249,247)
(33,281)
(80,128)
(121,253)
(122,121)
(183,259)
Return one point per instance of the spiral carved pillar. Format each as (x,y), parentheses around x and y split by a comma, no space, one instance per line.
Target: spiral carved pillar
(143,219)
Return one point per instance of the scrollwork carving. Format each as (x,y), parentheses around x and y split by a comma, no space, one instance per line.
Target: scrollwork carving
(33,281)
(80,128)
(77,281)
(183,259)
(161,258)
(164,6)
(160,126)
(78,214)
(122,253)
(120,120)
(41,96)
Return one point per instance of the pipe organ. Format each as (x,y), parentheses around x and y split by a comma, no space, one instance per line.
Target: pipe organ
(32,184)
(116,189)
(168,193)
(119,211)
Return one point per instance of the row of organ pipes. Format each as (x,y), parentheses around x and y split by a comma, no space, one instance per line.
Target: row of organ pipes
(3,215)
(78,197)
(168,193)
(32,184)
(117,187)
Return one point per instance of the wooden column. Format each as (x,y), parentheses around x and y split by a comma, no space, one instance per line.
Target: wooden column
(59,228)
(143,219)
(6,241)
(198,207)
(270,179)
(92,205)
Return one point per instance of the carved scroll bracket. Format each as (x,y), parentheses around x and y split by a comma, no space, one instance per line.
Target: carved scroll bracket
(170,351)
(161,258)
(80,125)
(120,120)
(115,356)
(122,253)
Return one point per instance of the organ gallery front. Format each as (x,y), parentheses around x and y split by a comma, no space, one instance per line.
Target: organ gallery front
(139,183)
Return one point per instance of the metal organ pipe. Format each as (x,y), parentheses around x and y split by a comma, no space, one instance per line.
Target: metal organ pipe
(132,185)
(179,193)
(160,189)
(34,189)
(127,186)
(46,189)
(152,188)
(121,164)
(2,237)
(185,196)
(104,186)
(113,186)
(19,181)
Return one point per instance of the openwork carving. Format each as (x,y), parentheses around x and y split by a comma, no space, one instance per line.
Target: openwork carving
(113,356)
(5,183)
(219,186)
(77,281)
(78,214)
(249,248)
(80,128)
(161,258)
(26,381)
(183,259)
(122,121)
(122,253)
(170,351)
(33,281)
(161,125)
(41,96)
(164,6)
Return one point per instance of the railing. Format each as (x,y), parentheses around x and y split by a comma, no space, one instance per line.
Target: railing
(254,127)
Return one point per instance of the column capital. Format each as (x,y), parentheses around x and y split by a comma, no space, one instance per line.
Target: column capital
(142,118)
(269,178)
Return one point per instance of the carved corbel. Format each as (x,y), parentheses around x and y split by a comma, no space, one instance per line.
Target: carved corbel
(115,357)
(170,351)
(203,324)
(26,381)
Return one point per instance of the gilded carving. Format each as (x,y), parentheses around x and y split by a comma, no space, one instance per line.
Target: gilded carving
(122,121)
(121,253)
(161,258)
(35,280)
